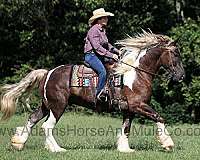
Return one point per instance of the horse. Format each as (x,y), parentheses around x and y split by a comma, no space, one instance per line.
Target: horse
(143,55)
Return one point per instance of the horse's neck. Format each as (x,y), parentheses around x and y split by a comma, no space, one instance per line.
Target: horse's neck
(151,61)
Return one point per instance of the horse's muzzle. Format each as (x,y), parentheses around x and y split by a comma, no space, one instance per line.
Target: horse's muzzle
(179,77)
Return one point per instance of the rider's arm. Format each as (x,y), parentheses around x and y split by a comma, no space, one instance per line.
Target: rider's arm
(113,49)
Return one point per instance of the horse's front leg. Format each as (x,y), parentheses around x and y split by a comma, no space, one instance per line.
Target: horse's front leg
(162,133)
(122,142)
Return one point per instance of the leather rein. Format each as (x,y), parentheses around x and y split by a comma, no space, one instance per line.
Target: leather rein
(140,69)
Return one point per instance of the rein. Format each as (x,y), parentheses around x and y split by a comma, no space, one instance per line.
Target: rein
(139,69)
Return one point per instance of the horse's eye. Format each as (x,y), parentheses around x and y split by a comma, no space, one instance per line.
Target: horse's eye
(177,51)
(175,54)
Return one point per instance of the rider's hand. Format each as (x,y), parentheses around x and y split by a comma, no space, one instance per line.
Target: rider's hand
(118,52)
(115,57)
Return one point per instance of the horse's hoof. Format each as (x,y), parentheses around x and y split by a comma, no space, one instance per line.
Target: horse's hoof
(16,139)
(61,150)
(166,142)
(168,148)
(49,148)
(17,146)
(54,149)
(128,150)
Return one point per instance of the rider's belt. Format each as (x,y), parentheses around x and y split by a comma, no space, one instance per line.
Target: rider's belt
(89,52)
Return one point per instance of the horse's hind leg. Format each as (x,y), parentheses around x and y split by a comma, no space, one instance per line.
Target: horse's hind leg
(22,133)
(56,111)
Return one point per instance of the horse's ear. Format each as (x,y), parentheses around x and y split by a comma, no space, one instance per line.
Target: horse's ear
(175,42)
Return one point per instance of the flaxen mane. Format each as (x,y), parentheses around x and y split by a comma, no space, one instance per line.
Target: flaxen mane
(133,46)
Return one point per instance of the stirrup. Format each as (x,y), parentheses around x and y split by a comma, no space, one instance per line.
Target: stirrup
(114,101)
(102,97)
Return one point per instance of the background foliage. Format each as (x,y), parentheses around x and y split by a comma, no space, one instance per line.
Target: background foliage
(47,33)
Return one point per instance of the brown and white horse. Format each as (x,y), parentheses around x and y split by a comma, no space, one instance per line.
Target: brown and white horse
(142,58)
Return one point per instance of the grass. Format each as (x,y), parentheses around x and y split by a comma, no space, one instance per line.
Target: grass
(94,137)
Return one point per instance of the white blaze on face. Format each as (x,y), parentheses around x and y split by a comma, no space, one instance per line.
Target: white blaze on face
(130,76)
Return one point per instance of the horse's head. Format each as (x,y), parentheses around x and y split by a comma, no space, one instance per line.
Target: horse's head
(171,60)
(146,49)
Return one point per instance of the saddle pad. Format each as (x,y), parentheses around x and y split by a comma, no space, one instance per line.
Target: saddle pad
(87,78)
(83,76)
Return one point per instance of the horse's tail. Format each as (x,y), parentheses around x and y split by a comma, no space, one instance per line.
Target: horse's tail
(12,92)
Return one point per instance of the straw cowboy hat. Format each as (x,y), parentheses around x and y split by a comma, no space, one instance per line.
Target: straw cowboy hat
(99,13)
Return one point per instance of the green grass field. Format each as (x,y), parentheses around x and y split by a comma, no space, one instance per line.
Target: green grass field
(94,137)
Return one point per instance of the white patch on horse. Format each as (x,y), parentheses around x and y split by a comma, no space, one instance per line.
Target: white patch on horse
(130,76)
(50,142)
(122,142)
(164,136)
(47,79)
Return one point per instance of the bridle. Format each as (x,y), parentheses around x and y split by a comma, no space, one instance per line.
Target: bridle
(171,61)
(149,72)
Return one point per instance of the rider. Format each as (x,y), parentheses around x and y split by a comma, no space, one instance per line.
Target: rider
(97,48)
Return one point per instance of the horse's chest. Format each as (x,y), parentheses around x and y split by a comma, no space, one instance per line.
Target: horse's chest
(131,76)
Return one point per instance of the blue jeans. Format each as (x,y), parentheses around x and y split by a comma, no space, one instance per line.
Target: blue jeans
(99,68)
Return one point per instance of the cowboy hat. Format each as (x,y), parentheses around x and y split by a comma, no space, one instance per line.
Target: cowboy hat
(99,13)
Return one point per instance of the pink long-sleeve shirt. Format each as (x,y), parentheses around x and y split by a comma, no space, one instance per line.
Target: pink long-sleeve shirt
(97,41)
